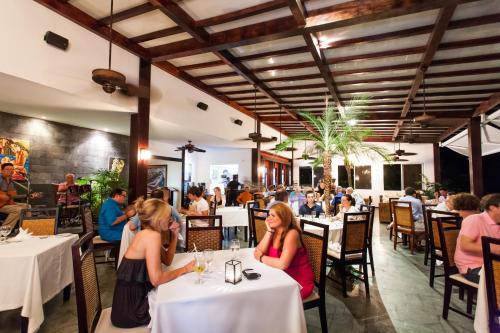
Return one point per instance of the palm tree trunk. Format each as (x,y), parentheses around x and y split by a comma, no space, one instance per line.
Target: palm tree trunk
(327,176)
(348,168)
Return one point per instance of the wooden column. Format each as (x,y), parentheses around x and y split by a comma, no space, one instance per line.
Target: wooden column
(139,136)
(437,163)
(475,156)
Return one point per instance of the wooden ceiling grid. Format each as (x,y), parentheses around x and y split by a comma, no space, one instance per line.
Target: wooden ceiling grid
(297,52)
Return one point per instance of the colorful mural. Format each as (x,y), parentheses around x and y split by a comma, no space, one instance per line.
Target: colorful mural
(16,151)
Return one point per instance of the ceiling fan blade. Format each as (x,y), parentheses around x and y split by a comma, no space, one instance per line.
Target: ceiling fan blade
(199,150)
(393,154)
(408,154)
(402,160)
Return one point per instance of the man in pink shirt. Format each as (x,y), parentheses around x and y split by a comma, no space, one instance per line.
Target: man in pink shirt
(469,253)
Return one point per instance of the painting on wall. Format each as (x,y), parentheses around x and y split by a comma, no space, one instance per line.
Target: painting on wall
(117,164)
(16,151)
(157,177)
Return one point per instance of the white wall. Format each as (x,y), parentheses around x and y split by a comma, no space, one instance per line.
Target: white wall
(424,156)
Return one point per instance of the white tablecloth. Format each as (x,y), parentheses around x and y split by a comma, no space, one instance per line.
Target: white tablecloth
(270,304)
(481,316)
(233,216)
(334,229)
(33,272)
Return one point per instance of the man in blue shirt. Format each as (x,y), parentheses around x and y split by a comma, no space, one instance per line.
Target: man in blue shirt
(111,217)
(310,207)
(162,194)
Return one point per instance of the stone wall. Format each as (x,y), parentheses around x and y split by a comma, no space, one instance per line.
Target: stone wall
(56,149)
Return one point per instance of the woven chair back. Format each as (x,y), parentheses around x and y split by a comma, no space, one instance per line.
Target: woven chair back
(491,267)
(355,232)
(204,237)
(316,247)
(40,227)
(403,214)
(448,236)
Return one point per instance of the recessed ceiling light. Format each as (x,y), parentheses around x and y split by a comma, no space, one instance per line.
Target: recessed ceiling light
(270,60)
(273,73)
(43,117)
(105,129)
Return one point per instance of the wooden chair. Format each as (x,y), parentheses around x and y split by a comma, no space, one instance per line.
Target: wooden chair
(384,212)
(99,244)
(391,214)
(403,223)
(448,237)
(204,237)
(426,207)
(492,275)
(435,251)
(257,225)
(371,210)
(353,248)
(316,247)
(91,316)
(39,221)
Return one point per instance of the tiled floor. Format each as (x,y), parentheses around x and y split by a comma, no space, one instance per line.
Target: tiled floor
(401,300)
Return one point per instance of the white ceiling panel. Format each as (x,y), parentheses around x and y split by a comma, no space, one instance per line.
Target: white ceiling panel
(301,91)
(210,70)
(316,4)
(287,72)
(236,78)
(387,85)
(143,24)
(481,31)
(489,86)
(271,15)
(276,84)
(235,88)
(166,40)
(202,9)
(472,65)
(195,59)
(284,60)
(379,62)
(100,9)
(280,44)
(375,75)
(462,78)
(475,9)
(467,52)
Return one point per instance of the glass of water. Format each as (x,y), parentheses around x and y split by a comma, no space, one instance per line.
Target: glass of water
(209,258)
(4,232)
(235,247)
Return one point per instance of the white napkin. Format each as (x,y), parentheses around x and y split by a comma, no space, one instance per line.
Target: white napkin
(334,246)
(23,235)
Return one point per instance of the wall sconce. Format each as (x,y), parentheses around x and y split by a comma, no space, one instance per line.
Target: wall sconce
(144,154)
(261,169)
(233,271)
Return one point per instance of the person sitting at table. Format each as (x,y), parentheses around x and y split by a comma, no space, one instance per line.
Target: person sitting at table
(197,207)
(466,204)
(320,190)
(347,205)
(416,208)
(282,248)
(68,197)
(446,206)
(297,198)
(219,198)
(358,198)
(310,207)
(7,193)
(244,196)
(111,217)
(279,196)
(443,194)
(159,193)
(469,251)
(140,269)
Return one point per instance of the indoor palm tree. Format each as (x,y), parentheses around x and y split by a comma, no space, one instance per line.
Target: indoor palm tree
(337,134)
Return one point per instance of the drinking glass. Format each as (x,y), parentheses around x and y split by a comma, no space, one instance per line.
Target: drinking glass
(322,216)
(235,247)
(199,265)
(4,232)
(209,257)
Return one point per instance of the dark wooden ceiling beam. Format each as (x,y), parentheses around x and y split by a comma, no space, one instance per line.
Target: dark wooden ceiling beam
(442,21)
(129,13)
(483,108)
(81,18)
(242,13)
(157,34)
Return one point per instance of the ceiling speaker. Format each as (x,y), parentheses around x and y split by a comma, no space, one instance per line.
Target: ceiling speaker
(238,122)
(56,40)
(202,106)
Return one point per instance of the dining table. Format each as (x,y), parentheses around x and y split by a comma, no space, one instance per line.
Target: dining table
(34,270)
(335,228)
(271,303)
(481,323)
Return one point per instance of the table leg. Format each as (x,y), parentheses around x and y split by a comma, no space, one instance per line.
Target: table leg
(24,324)
(246,234)
(66,292)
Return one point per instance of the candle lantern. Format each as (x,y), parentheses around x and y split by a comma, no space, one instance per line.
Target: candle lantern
(233,271)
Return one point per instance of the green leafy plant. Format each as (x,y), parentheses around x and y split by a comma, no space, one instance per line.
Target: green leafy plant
(337,134)
(428,188)
(102,182)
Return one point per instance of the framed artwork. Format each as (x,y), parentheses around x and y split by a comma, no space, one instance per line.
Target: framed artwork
(117,164)
(363,177)
(16,151)
(157,177)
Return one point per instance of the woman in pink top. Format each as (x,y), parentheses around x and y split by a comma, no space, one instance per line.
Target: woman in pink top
(282,248)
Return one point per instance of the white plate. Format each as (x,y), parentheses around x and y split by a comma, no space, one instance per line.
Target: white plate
(66,234)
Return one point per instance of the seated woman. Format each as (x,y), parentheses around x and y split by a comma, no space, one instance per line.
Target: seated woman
(466,204)
(347,205)
(282,248)
(140,269)
(219,198)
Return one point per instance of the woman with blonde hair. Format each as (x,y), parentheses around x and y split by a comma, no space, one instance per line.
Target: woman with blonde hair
(282,248)
(140,269)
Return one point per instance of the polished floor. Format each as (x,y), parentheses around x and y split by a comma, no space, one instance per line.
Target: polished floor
(401,300)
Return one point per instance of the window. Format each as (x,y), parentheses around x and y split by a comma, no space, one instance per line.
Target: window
(318,175)
(343,176)
(305,176)
(392,177)
(412,176)
(363,177)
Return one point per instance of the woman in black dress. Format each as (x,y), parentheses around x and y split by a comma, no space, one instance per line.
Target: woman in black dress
(140,269)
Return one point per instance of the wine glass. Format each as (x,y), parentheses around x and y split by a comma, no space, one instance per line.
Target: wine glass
(209,257)
(199,265)
(235,246)
(322,216)
(4,232)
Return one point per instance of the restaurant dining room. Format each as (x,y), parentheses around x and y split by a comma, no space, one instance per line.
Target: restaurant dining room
(250,166)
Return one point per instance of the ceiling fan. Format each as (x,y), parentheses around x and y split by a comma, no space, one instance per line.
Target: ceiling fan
(425,119)
(398,159)
(401,152)
(189,147)
(256,136)
(305,155)
(111,80)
